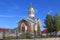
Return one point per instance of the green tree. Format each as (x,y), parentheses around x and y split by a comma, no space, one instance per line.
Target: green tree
(49,23)
(56,23)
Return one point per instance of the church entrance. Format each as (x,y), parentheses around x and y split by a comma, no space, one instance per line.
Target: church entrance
(24,25)
(23,29)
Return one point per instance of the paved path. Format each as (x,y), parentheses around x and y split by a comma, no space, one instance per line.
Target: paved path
(37,39)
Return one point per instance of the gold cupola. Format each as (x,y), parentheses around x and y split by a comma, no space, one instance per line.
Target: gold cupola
(31,11)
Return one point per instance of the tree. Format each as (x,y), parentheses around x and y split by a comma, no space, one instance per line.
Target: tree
(56,23)
(49,23)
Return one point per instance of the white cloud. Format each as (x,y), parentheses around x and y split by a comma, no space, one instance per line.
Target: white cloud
(11,16)
(6,16)
(36,10)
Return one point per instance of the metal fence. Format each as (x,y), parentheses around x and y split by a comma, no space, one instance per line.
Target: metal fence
(15,36)
(35,38)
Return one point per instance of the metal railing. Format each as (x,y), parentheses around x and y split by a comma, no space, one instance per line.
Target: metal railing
(42,37)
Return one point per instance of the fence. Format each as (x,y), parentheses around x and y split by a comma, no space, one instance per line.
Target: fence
(15,36)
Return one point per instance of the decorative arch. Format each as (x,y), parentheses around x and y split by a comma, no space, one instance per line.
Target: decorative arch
(23,25)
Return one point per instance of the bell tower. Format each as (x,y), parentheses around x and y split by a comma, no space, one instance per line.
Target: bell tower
(31,11)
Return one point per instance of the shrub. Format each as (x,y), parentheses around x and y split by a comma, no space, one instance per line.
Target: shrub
(25,35)
(10,37)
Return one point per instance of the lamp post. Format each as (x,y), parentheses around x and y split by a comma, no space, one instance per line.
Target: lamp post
(3,34)
(16,33)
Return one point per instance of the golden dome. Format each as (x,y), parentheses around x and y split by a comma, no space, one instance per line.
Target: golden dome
(31,9)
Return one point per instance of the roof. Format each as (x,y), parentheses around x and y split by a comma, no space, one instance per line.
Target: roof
(33,20)
(44,31)
(1,30)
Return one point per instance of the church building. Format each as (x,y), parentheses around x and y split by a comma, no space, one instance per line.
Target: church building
(31,24)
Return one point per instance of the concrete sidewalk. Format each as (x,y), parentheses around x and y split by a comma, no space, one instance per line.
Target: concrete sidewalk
(37,39)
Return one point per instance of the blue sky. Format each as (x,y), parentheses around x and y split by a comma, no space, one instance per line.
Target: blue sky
(11,11)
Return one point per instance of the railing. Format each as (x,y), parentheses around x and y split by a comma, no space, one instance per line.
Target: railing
(15,36)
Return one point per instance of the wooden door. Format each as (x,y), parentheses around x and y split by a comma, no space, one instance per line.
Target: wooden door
(23,29)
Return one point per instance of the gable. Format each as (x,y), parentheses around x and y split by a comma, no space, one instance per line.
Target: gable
(23,21)
(26,20)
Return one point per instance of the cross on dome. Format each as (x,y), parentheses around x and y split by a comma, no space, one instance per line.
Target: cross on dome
(31,11)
